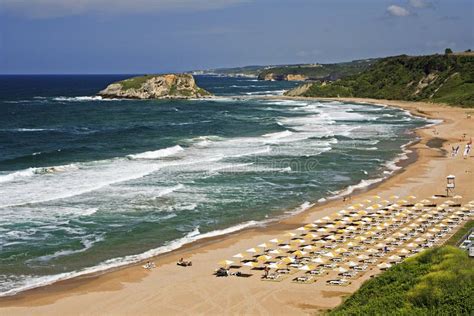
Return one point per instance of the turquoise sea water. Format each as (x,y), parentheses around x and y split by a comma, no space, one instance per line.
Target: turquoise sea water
(88,184)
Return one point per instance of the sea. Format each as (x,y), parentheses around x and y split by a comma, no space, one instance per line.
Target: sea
(88,184)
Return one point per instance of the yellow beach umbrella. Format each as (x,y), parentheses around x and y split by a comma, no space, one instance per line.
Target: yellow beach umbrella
(264,258)
(276,241)
(288,260)
(251,264)
(225,262)
(299,253)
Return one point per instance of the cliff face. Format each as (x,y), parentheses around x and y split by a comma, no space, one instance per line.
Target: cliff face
(169,86)
(286,77)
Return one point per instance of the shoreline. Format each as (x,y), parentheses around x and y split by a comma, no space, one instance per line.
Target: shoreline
(113,280)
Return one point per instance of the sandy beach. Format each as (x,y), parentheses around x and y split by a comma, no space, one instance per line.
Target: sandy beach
(172,290)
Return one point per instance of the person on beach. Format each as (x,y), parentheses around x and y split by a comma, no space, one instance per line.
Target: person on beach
(266,271)
(467,149)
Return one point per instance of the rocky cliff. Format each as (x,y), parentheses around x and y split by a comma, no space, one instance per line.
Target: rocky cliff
(282,77)
(167,86)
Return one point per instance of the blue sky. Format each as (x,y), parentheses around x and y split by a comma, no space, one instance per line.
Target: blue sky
(145,36)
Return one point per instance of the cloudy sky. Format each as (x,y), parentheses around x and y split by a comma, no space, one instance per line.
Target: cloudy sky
(144,36)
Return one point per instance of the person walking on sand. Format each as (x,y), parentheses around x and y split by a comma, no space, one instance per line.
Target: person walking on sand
(467,149)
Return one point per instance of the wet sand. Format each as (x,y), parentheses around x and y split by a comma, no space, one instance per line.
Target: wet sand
(170,289)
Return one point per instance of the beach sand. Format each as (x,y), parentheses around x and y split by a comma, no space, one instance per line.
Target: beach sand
(170,289)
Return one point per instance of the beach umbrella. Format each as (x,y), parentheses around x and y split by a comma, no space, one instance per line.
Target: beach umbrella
(341,270)
(306,267)
(298,241)
(308,247)
(251,264)
(319,221)
(321,229)
(318,260)
(372,250)
(384,265)
(290,234)
(286,247)
(310,236)
(342,212)
(263,258)
(264,245)
(352,264)
(448,202)
(351,207)
(404,251)
(394,258)
(376,197)
(411,197)
(225,262)
(328,254)
(251,250)
(326,218)
(302,228)
(412,245)
(275,252)
(425,201)
(394,197)
(362,257)
(321,241)
(419,239)
(274,265)
(350,244)
(457,197)
(288,260)
(331,237)
(377,205)
(275,241)
(340,250)
(329,226)
(367,201)
(239,256)
(310,225)
(299,253)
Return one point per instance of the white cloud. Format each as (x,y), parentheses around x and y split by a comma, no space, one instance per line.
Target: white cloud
(420,4)
(396,10)
(58,8)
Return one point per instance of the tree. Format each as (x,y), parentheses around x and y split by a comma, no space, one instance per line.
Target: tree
(448,51)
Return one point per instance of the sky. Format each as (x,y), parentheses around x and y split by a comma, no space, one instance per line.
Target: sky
(152,36)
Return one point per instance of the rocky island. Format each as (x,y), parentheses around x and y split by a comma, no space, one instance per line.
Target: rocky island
(165,86)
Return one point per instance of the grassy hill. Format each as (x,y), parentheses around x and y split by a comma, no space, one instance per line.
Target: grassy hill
(438,281)
(312,71)
(437,78)
(319,71)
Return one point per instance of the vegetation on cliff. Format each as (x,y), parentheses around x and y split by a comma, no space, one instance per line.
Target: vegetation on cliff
(445,78)
(317,71)
(438,281)
(167,86)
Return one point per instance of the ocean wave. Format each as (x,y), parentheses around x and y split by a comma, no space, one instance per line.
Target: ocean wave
(30,282)
(83,99)
(169,190)
(157,154)
(30,172)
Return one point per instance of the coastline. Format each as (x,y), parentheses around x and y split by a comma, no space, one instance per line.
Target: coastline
(114,290)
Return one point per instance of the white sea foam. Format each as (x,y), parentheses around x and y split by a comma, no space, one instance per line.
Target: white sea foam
(157,154)
(83,99)
(30,172)
(28,282)
(170,190)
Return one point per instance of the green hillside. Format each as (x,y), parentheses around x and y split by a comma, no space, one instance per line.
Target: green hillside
(436,78)
(319,71)
(438,281)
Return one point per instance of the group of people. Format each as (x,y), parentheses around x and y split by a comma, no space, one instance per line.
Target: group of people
(467,149)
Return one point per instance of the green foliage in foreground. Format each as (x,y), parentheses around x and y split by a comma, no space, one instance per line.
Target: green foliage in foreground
(438,281)
(435,78)
(460,233)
